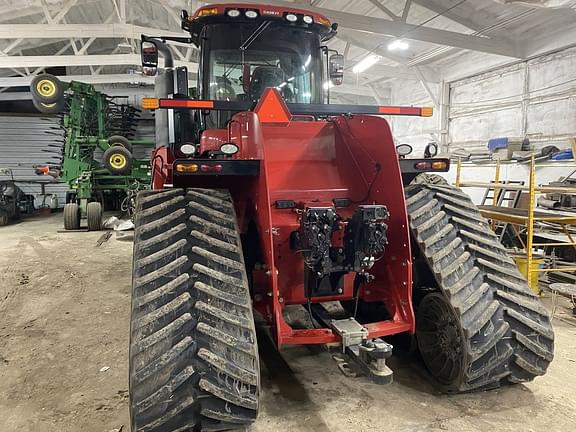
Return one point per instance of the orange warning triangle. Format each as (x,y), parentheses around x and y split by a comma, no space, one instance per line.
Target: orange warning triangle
(271,108)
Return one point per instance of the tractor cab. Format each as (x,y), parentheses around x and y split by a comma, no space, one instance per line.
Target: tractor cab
(244,50)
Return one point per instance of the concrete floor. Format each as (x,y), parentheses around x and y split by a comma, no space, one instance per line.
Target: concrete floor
(64,305)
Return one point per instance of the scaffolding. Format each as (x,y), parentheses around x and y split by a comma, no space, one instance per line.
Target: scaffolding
(525,217)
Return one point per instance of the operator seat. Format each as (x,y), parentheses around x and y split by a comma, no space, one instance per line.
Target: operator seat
(262,78)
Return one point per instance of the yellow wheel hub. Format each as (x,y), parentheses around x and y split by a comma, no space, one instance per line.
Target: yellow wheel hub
(46,88)
(118,161)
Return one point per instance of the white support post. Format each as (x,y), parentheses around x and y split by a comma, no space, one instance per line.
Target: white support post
(444,115)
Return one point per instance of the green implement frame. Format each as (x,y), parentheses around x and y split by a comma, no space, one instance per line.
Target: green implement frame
(94,124)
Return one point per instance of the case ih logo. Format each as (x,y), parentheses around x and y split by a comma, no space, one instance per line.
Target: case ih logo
(270,12)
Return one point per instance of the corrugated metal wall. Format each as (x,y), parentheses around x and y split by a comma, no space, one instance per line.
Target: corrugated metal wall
(534,99)
(23,141)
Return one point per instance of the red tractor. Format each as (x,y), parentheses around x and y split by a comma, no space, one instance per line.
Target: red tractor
(266,197)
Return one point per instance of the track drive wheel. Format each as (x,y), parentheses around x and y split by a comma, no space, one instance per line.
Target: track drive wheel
(94,216)
(491,325)
(46,88)
(118,160)
(193,353)
(71,216)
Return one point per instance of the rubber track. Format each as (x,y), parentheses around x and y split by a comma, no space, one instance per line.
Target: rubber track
(505,323)
(193,353)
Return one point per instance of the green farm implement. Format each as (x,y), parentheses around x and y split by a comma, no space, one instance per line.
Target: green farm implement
(94,124)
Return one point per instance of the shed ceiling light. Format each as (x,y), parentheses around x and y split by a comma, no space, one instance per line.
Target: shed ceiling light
(398,45)
(366,63)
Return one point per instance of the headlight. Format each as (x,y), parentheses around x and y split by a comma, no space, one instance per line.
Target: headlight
(251,14)
(188,149)
(291,17)
(308,19)
(229,149)
(233,13)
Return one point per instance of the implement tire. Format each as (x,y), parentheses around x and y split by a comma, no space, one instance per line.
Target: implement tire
(193,352)
(94,216)
(71,216)
(46,88)
(505,332)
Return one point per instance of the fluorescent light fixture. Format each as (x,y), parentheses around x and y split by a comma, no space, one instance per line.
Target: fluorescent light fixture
(327,85)
(366,63)
(291,79)
(283,84)
(307,62)
(398,45)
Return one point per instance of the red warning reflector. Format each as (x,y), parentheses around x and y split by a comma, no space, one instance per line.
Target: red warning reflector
(271,108)
(210,168)
(186,103)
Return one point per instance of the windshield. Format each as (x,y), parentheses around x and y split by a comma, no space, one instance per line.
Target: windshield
(283,57)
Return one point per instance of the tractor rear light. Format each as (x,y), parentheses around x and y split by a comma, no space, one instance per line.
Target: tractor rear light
(439,165)
(426,112)
(206,12)
(210,168)
(233,13)
(150,103)
(188,149)
(291,17)
(229,149)
(186,168)
(251,14)
(422,166)
(307,19)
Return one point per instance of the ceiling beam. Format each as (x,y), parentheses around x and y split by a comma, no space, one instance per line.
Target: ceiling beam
(464,14)
(80,60)
(379,71)
(145,80)
(410,31)
(78,31)
(406,10)
(384,9)
(88,79)
(359,40)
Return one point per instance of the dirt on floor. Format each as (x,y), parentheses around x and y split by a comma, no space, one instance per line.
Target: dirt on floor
(64,320)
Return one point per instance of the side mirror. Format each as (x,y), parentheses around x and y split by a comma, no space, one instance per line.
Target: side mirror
(149,56)
(403,150)
(336,68)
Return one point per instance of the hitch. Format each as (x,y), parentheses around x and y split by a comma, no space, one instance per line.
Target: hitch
(371,357)
(369,354)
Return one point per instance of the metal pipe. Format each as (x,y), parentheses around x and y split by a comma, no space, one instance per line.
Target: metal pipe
(458,172)
(530,227)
